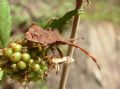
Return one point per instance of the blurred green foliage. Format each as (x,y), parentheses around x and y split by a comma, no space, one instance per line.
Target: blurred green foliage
(5,26)
(41,11)
(5,22)
(104,11)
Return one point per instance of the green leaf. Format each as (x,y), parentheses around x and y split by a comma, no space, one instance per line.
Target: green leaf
(59,23)
(5,22)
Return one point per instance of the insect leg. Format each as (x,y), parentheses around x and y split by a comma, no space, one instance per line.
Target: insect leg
(53,51)
(60,52)
(87,53)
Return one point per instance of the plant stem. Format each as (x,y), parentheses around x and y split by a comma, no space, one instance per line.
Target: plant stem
(66,66)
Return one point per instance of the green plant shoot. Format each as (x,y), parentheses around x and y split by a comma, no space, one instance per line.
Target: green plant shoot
(59,23)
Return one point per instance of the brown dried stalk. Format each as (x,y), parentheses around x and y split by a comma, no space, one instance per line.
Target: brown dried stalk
(66,66)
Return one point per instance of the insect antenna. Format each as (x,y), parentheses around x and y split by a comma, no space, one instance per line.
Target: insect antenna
(83,50)
(60,52)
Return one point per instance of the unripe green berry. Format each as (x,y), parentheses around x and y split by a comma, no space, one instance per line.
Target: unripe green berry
(22,65)
(12,45)
(25,57)
(36,67)
(45,68)
(14,66)
(15,57)
(8,52)
(41,71)
(31,62)
(17,48)
(38,60)
(42,64)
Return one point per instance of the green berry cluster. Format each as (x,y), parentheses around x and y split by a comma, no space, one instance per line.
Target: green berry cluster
(25,61)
